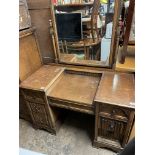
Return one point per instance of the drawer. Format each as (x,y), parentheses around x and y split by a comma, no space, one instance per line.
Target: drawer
(114,112)
(111,129)
(34,96)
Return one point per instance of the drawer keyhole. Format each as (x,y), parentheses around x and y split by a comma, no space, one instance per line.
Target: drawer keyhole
(113,112)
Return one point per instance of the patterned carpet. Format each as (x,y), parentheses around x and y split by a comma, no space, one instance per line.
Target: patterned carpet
(74,137)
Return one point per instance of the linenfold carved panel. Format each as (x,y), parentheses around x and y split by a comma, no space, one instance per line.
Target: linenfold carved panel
(111,129)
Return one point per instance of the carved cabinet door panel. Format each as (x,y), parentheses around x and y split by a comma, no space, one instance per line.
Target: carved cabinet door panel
(39,114)
(39,110)
(111,129)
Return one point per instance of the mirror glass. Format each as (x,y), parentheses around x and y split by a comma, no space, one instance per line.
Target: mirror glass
(84,30)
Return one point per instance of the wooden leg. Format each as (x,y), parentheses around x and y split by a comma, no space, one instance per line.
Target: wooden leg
(87,53)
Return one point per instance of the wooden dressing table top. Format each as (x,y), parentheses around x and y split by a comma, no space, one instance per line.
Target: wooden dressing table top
(42,78)
(116,89)
(75,86)
(83,87)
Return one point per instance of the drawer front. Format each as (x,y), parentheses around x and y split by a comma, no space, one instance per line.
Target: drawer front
(111,129)
(114,112)
(34,96)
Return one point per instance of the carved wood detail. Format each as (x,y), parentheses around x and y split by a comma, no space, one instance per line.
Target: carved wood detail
(114,111)
(38,108)
(34,99)
(112,126)
(111,129)
(36,96)
(39,113)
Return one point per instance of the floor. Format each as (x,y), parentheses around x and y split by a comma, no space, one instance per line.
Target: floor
(73,138)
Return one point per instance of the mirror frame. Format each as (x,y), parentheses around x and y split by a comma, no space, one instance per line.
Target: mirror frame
(114,39)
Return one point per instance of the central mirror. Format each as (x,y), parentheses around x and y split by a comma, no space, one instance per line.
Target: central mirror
(85,31)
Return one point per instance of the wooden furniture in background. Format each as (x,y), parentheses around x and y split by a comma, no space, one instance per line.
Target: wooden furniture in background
(127,31)
(86,43)
(29,62)
(129,64)
(81,46)
(29,54)
(94,17)
(72,47)
(73,7)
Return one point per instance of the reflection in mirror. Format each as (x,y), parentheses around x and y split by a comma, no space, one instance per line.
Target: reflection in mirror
(132,32)
(126,49)
(84,30)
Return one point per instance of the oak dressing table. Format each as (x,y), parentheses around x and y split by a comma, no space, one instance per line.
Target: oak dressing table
(46,89)
(107,95)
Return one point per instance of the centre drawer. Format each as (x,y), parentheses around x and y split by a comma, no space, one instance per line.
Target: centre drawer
(114,112)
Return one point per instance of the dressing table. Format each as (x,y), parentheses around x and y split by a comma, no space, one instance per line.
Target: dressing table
(46,89)
(107,95)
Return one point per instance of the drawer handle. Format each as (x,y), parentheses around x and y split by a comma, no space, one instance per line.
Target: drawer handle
(113,112)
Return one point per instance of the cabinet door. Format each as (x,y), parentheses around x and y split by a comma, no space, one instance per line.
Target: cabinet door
(111,129)
(39,109)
